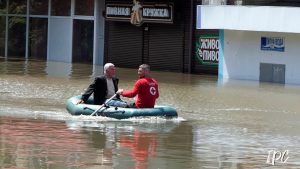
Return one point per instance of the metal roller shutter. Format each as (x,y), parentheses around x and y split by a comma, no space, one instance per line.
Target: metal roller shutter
(166,47)
(125,44)
(161,46)
(158,44)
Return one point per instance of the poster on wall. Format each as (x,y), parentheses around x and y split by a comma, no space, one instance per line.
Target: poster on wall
(272,44)
(207,50)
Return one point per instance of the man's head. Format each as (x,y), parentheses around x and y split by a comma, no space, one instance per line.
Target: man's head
(109,70)
(144,70)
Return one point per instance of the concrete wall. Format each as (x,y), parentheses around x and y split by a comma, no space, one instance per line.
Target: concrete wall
(248,18)
(242,55)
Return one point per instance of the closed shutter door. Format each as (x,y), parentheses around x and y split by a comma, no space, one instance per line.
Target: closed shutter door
(125,43)
(166,47)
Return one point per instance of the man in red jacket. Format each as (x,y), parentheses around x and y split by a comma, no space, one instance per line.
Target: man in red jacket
(146,89)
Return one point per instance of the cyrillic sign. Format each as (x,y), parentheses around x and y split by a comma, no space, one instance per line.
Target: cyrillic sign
(138,14)
(272,44)
(207,50)
(122,12)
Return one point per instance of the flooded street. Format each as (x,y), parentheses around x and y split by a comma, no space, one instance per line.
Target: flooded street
(221,124)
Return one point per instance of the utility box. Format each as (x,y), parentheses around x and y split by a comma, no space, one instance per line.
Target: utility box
(274,73)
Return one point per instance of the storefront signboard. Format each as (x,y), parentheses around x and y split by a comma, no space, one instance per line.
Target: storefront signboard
(272,44)
(207,50)
(138,13)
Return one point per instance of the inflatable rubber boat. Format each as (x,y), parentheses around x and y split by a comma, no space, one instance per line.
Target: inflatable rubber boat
(117,112)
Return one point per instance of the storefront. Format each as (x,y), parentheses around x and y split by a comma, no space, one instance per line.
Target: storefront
(255,49)
(206,51)
(162,37)
(168,41)
(53,30)
(160,33)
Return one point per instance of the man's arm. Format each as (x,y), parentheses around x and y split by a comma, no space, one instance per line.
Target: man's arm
(132,93)
(85,96)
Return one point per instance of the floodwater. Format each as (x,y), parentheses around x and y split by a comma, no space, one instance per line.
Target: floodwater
(221,124)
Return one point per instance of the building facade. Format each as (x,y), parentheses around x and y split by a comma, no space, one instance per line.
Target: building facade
(75,31)
(258,39)
(53,30)
(236,39)
(161,39)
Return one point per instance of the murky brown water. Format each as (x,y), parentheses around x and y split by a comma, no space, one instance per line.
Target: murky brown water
(232,124)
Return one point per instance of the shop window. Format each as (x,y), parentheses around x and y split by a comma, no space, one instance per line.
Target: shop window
(3,6)
(17,7)
(60,7)
(2,35)
(84,7)
(16,36)
(38,38)
(83,34)
(38,7)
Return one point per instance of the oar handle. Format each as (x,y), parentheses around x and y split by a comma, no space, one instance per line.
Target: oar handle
(104,104)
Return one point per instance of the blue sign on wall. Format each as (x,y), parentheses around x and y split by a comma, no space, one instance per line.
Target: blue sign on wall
(272,44)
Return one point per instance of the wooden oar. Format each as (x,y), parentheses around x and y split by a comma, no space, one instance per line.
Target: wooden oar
(104,104)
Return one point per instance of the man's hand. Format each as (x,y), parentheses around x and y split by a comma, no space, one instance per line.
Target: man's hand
(120,91)
(80,101)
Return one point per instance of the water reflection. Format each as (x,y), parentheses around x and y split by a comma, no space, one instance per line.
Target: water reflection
(34,143)
(19,66)
(38,144)
(58,69)
(139,143)
(141,146)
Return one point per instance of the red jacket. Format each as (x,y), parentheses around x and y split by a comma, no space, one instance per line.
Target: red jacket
(147,91)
